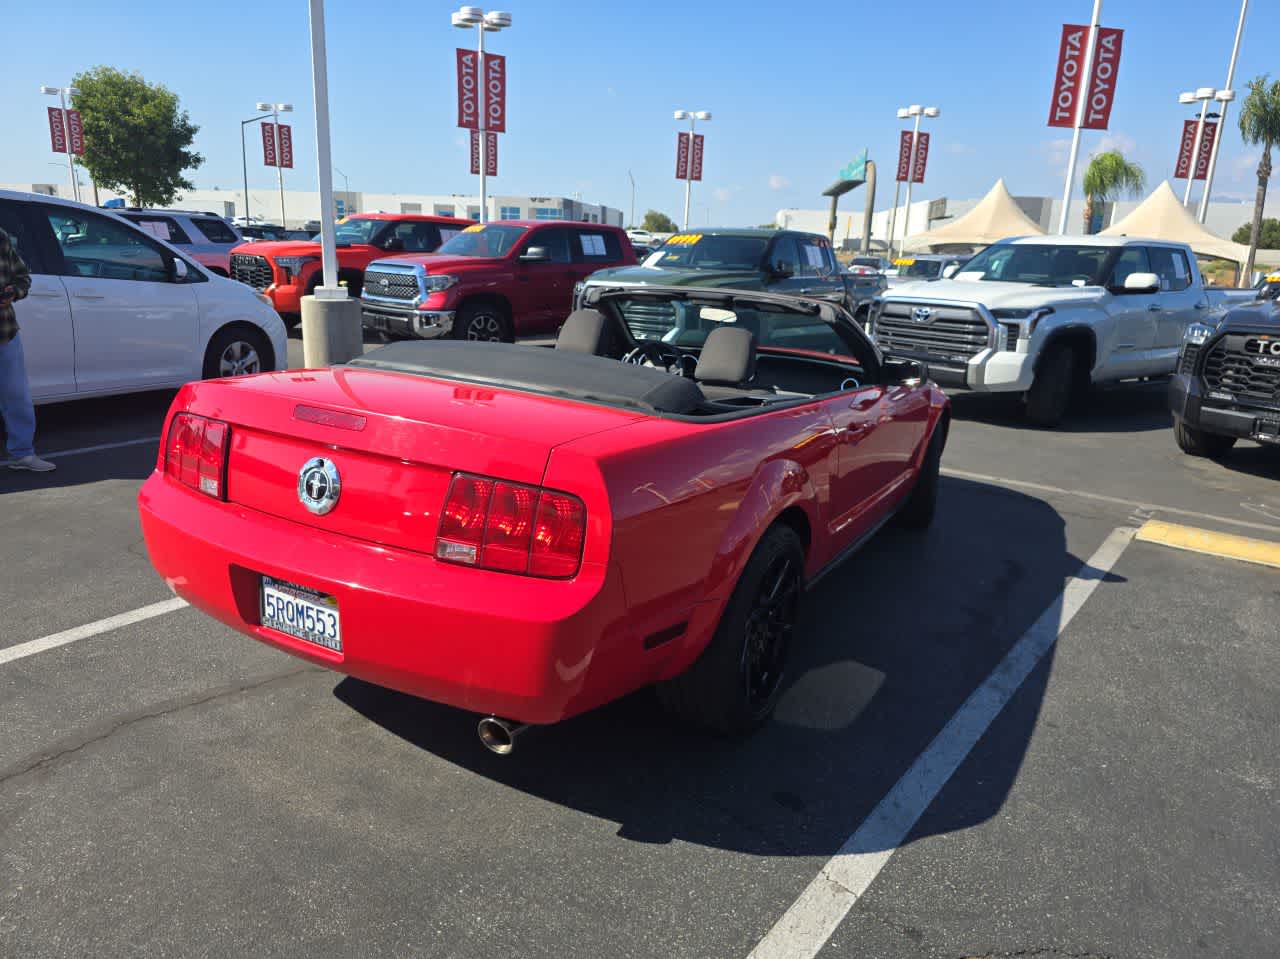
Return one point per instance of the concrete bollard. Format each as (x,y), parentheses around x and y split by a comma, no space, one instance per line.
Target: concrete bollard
(331,331)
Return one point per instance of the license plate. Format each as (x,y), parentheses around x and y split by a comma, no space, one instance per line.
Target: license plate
(301,613)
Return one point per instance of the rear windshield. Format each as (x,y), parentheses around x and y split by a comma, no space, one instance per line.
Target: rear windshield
(699,252)
(216,230)
(484,241)
(926,269)
(1042,264)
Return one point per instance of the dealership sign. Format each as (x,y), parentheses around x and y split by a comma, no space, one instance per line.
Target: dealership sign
(695,160)
(1206,148)
(494,91)
(75,132)
(921,158)
(682,156)
(285,152)
(57,132)
(904,157)
(1069,80)
(269,144)
(1187,146)
(490,153)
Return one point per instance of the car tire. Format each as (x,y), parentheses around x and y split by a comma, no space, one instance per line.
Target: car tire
(1196,442)
(1051,390)
(733,686)
(483,322)
(917,512)
(237,351)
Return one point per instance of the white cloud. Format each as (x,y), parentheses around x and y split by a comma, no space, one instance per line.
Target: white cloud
(958,149)
(723,194)
(1116,141)
(778,182)
(1055,154)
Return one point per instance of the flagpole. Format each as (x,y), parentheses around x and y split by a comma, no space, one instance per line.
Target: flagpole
(1082,101)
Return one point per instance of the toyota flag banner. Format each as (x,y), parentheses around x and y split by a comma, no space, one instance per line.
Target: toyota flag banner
(490,153)
(695,159)
(1206,148)
(1185,148)
(682,156)
(75,132)
(921,158)
(469,92)
(285,153)
(904,157)
(1069,78)
(57,132)
(269,144)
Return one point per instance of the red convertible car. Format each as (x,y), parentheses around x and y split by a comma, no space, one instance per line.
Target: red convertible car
(529,533)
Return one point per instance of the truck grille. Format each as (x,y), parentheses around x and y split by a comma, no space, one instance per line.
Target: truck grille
(252,270)
(395,286)
(1229,367)
(649,321)
(948,333)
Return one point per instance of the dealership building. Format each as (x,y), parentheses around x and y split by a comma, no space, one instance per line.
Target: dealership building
(302,208)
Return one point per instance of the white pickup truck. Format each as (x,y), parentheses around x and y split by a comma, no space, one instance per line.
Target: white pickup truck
(1047,316)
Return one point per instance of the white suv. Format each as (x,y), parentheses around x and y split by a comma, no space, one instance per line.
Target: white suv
(113,309)
(205,237)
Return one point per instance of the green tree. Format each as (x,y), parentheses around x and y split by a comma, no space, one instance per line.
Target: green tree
(656,222)
(1109,175)
(1260,125)
(137,139)
(1268,238)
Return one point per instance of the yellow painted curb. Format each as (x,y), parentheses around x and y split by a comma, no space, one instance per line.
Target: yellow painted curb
(1207,541)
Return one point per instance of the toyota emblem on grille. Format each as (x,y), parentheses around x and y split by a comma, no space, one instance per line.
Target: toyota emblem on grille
(319,485)
(1263,346)
(921,314)
(386,284)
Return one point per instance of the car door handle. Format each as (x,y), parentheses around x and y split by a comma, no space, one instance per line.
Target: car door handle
(1202,306)
(89,295)
(864,404)
(48,294)
(1155,308)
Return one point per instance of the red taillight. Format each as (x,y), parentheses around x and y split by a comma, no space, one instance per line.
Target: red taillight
(511,527)
(196,453)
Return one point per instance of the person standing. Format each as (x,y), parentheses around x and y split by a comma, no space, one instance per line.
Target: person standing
(15,392)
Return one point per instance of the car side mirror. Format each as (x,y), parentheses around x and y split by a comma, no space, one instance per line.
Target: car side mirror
(180,271)
(535,254)
(782,270)
(1142,283)
(949,271)
(904,372)
(394,244)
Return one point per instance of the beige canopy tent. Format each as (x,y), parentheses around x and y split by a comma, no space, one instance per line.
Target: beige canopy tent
(1161,216)
(995,217)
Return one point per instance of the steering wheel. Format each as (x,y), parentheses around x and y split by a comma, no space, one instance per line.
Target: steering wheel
(658,354)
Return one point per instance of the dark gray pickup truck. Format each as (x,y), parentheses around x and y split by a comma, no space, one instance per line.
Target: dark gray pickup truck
(772,261)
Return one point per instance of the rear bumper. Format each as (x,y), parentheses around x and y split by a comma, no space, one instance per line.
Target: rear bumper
(1189,403)
(513,646)
(423,324)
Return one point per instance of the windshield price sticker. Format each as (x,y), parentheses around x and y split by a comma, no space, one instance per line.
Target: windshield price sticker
(476,228)
(592,244)
(684,239)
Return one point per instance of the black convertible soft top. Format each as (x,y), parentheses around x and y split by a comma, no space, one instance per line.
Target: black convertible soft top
(579,376)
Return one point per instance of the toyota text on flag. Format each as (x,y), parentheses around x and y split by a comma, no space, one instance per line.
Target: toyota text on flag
(468,90)
(1102,81)
(922,157)
(491,153)
(57,132)
(904,157)
(286,145)
(682,156)
(269,144)
(1184,150)
(695,161)
(495,93)
(1206,148)
(75,131)
(1066,82)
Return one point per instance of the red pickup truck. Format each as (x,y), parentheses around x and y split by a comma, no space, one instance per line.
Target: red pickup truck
(287,270)
(491,282)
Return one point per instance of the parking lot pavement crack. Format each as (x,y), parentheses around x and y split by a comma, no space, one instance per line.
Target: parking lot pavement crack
(1041,952)
(68,749)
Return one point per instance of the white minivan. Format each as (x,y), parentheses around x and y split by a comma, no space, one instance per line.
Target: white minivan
(113,309)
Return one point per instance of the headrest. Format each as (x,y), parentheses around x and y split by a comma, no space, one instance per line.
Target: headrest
(728,358)
(583,332)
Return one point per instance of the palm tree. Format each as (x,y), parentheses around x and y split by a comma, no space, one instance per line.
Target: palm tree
(1260,124)
(1108,176)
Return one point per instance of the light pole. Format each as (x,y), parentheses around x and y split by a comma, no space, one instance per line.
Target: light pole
(1082,97)
(493,21)
(632,222)
(917,111)
(1205,96)
(693,116)
(62,93)
(277,109)
(244,162)
(346,189)
(1222,124)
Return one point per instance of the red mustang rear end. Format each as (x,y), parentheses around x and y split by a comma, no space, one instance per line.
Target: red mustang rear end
(530,533)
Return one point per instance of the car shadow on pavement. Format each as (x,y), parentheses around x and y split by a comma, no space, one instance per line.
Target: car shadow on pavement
(892,644)
(1127,408)
(1253,460)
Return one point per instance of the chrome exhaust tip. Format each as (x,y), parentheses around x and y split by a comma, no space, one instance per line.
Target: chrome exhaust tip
(499,735)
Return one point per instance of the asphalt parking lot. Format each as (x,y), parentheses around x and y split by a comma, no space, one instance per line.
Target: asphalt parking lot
(1023,733)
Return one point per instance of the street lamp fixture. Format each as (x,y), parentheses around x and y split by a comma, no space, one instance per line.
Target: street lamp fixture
(693,116)
(62,93)
(917,111)
(495,20)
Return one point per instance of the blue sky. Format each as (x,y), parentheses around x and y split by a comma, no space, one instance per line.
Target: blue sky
(592,87)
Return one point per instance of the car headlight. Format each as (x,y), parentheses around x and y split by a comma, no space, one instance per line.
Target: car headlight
(292,265)
(1196,334)
(1022,326)
(436,284)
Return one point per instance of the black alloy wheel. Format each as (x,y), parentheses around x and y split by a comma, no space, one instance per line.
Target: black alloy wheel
(770,626)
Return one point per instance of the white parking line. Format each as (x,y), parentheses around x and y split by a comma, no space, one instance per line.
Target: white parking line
(1114,500)
(102,446)
(808,924)
(77,633)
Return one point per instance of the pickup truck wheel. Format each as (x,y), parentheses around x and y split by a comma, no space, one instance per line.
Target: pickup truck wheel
(486,322)
(1196,442)
(917,512)
(1050,392)
(733,686)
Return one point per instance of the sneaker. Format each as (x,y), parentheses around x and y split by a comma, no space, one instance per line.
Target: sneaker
(33,463)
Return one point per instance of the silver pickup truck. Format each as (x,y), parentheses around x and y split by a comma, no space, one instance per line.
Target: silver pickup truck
(1048,316)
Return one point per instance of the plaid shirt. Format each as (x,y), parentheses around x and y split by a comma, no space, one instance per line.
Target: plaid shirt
(15,281)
